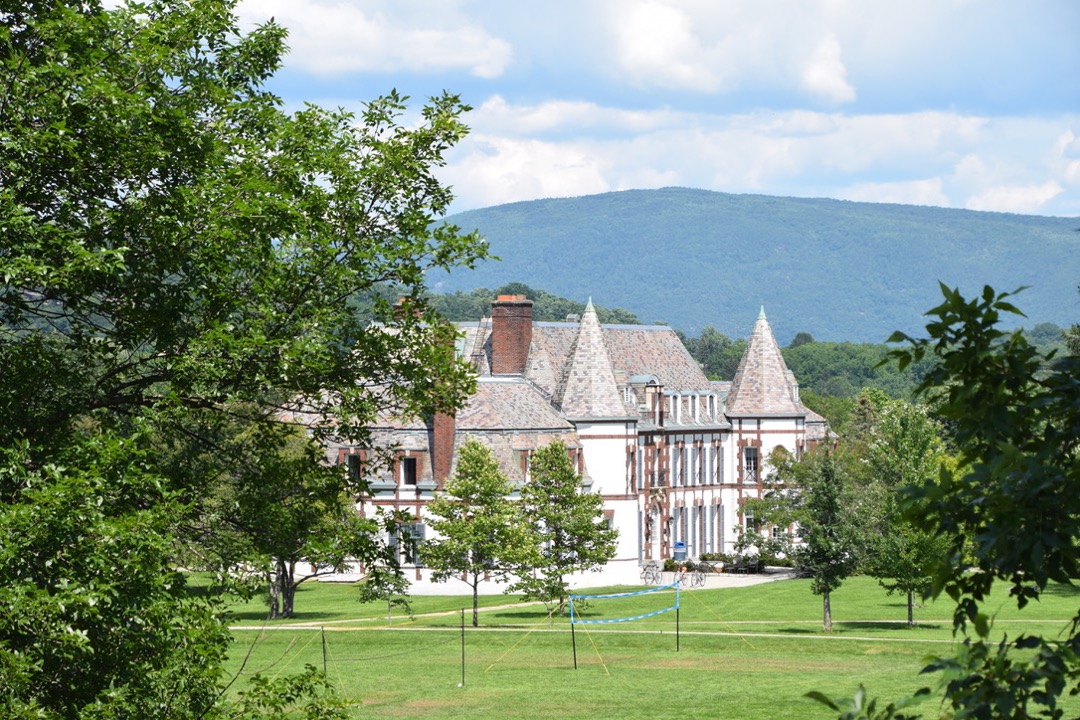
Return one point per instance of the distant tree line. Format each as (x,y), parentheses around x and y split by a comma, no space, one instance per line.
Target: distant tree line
(463,307)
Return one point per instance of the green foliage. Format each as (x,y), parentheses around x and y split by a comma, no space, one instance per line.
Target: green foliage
(178,241)
(1072,338)
(281,507)
(92,618)
(1047,337)
(1009,511)
(718,354)
(385,583)
(844,369)
(479,531)
(829,549)
(175,255)
(568,525)
(902,448)
(818,497)
(295,696)
(859,708)
(834,409)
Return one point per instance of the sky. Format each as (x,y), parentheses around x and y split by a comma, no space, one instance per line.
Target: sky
(956,103)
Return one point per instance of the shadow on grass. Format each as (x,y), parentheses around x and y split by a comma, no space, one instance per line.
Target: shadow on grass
(533,616)
(1063,591)
(859,626)
(258,616)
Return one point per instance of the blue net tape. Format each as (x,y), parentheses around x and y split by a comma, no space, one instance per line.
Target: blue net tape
(578,621)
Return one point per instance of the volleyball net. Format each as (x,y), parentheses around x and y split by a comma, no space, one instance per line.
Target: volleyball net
(624,607)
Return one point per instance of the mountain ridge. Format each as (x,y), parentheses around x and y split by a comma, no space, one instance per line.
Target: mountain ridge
(841,270)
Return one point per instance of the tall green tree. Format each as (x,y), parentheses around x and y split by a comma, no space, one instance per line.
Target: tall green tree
(283,510)
(816,496)
(830,544)
(479,531)
(904,449)
(1010,512)
(94,619)
(1009,509)
(173,247)
(568,523)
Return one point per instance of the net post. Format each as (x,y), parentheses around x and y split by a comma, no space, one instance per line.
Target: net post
(462,647)
(573,636)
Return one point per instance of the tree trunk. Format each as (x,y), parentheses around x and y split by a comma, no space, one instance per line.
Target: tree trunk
(287,571)
(910,609)
(827,609)
(476,601)
(273,595)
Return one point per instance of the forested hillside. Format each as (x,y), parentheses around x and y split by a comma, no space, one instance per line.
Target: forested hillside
(841,271)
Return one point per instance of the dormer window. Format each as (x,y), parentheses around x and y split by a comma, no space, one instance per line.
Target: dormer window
(408,471)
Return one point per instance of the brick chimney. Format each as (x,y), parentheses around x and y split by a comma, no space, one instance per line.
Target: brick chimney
(511,334)
(444,426)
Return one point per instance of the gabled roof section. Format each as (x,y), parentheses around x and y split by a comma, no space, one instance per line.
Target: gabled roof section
(762,384)
(587,388)
(509,404)
(632,349)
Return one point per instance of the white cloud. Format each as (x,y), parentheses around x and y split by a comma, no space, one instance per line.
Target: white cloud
(494,170)
(1016,198)
(496,115)
(335,36)
(825,75)
(925,158)
(912,192)
(1067,157)
(712,47)
(655,44)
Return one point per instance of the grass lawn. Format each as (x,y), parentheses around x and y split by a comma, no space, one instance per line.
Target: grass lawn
(743,653)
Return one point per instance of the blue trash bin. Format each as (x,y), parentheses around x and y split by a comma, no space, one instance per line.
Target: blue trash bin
(680,551)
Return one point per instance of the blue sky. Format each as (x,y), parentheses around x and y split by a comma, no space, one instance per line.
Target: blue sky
(957,103)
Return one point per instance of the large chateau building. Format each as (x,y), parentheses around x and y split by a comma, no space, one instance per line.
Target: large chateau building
(673,454)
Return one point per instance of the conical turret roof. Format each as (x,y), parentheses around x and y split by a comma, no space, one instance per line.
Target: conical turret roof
(763,384)
(588,388)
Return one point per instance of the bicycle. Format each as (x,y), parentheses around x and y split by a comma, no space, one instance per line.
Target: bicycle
(690,579)
(650,574)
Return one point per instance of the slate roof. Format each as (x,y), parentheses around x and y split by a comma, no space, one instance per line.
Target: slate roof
(632,350)
(587,387)
(509,404)
(763,384)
